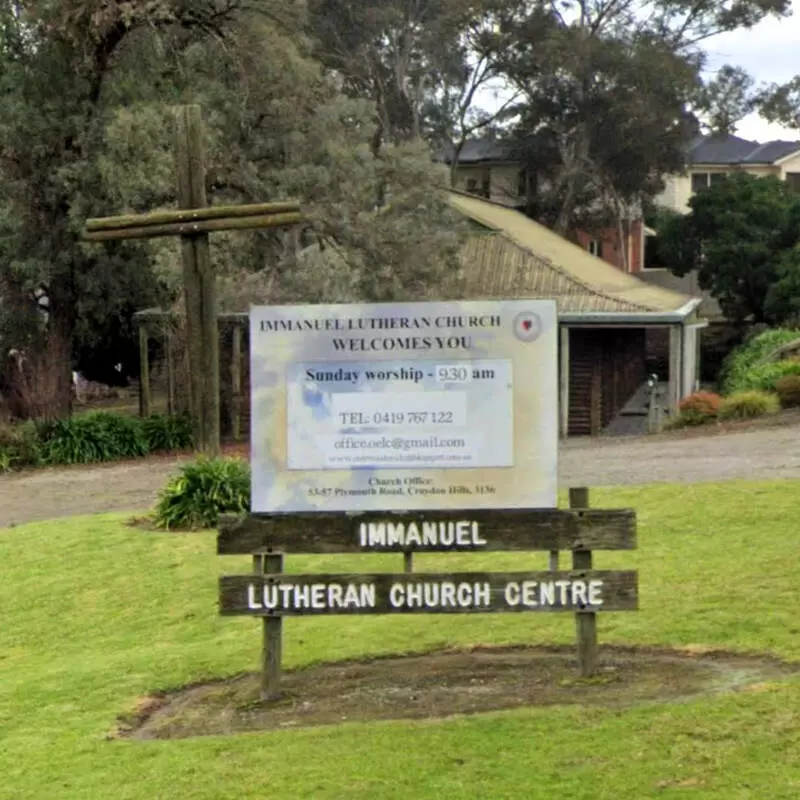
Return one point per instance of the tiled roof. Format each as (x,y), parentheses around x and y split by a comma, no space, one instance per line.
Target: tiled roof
(475,151)
(733,150)
(521,258)
(702,150)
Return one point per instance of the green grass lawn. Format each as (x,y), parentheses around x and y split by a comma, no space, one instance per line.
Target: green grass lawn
(94,615)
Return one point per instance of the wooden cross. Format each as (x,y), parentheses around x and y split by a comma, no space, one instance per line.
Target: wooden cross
(193,222)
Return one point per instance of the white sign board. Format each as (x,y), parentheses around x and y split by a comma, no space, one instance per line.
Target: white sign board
(404,406)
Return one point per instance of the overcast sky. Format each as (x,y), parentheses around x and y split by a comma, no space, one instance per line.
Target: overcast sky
(771,53)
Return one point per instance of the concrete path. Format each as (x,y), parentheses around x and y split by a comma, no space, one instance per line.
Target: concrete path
(756,454)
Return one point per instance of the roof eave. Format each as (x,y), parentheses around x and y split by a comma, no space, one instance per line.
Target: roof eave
(793,154)
(677,317)
(501,162)
(694,164)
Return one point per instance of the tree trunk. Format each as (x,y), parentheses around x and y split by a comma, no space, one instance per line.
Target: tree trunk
(40,385)
(376,144)
(454,161)
(565,212)
(623,240)
(56,363)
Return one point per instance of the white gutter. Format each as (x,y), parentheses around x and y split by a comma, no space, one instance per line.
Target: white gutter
(611,318)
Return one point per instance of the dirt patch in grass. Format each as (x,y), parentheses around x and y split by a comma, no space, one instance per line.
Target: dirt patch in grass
(442,684)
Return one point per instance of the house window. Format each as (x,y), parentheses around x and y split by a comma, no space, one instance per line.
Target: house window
(700,180)
(793,179)
(486,185)
(481,186)
(653,255)
(522,183)
(595,247)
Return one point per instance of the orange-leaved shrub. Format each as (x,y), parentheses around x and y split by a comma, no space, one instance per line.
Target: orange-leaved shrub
(699,408)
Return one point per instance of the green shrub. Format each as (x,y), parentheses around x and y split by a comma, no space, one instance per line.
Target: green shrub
(735,372)
(91,438)
(699,408)
(126,432)
(202,491)
(166,433)
(688,420)
(788,390)
(765,377)
(748,405)
(19,446)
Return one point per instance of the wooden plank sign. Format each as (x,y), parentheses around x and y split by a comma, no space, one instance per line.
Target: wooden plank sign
(440,531)
(271,594)
(427,593)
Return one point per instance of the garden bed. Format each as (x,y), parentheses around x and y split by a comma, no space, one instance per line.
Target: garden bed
(440,684)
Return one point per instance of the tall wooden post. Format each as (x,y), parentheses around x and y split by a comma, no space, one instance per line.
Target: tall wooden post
(199,285)
(145,405)
(236,383)
(674,394)
(272,641)
(170,355)
(563,381)
(585,621)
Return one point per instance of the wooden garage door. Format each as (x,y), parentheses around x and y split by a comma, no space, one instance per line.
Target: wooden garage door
(606,368)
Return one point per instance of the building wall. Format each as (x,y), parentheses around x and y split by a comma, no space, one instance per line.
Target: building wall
(688,285)
(678,188)
(676,194)
(503,181)
(613,246)
(790,166)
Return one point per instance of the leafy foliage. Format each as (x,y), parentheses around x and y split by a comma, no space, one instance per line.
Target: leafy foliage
(727,99)
(19,447)
(165,433)
(64,69)
(610,139)
(788,390)
(612,85)
(87,131)
(91,438)
(748,362)
(748,405)
(780,103)
(202,491)
(739,236)
(783,297)
(699,408)
(765,377)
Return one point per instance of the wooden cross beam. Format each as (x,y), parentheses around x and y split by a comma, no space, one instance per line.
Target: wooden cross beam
(194,220)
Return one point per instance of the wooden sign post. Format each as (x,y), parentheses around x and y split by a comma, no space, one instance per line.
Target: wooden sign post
(193,223)
(271,594)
